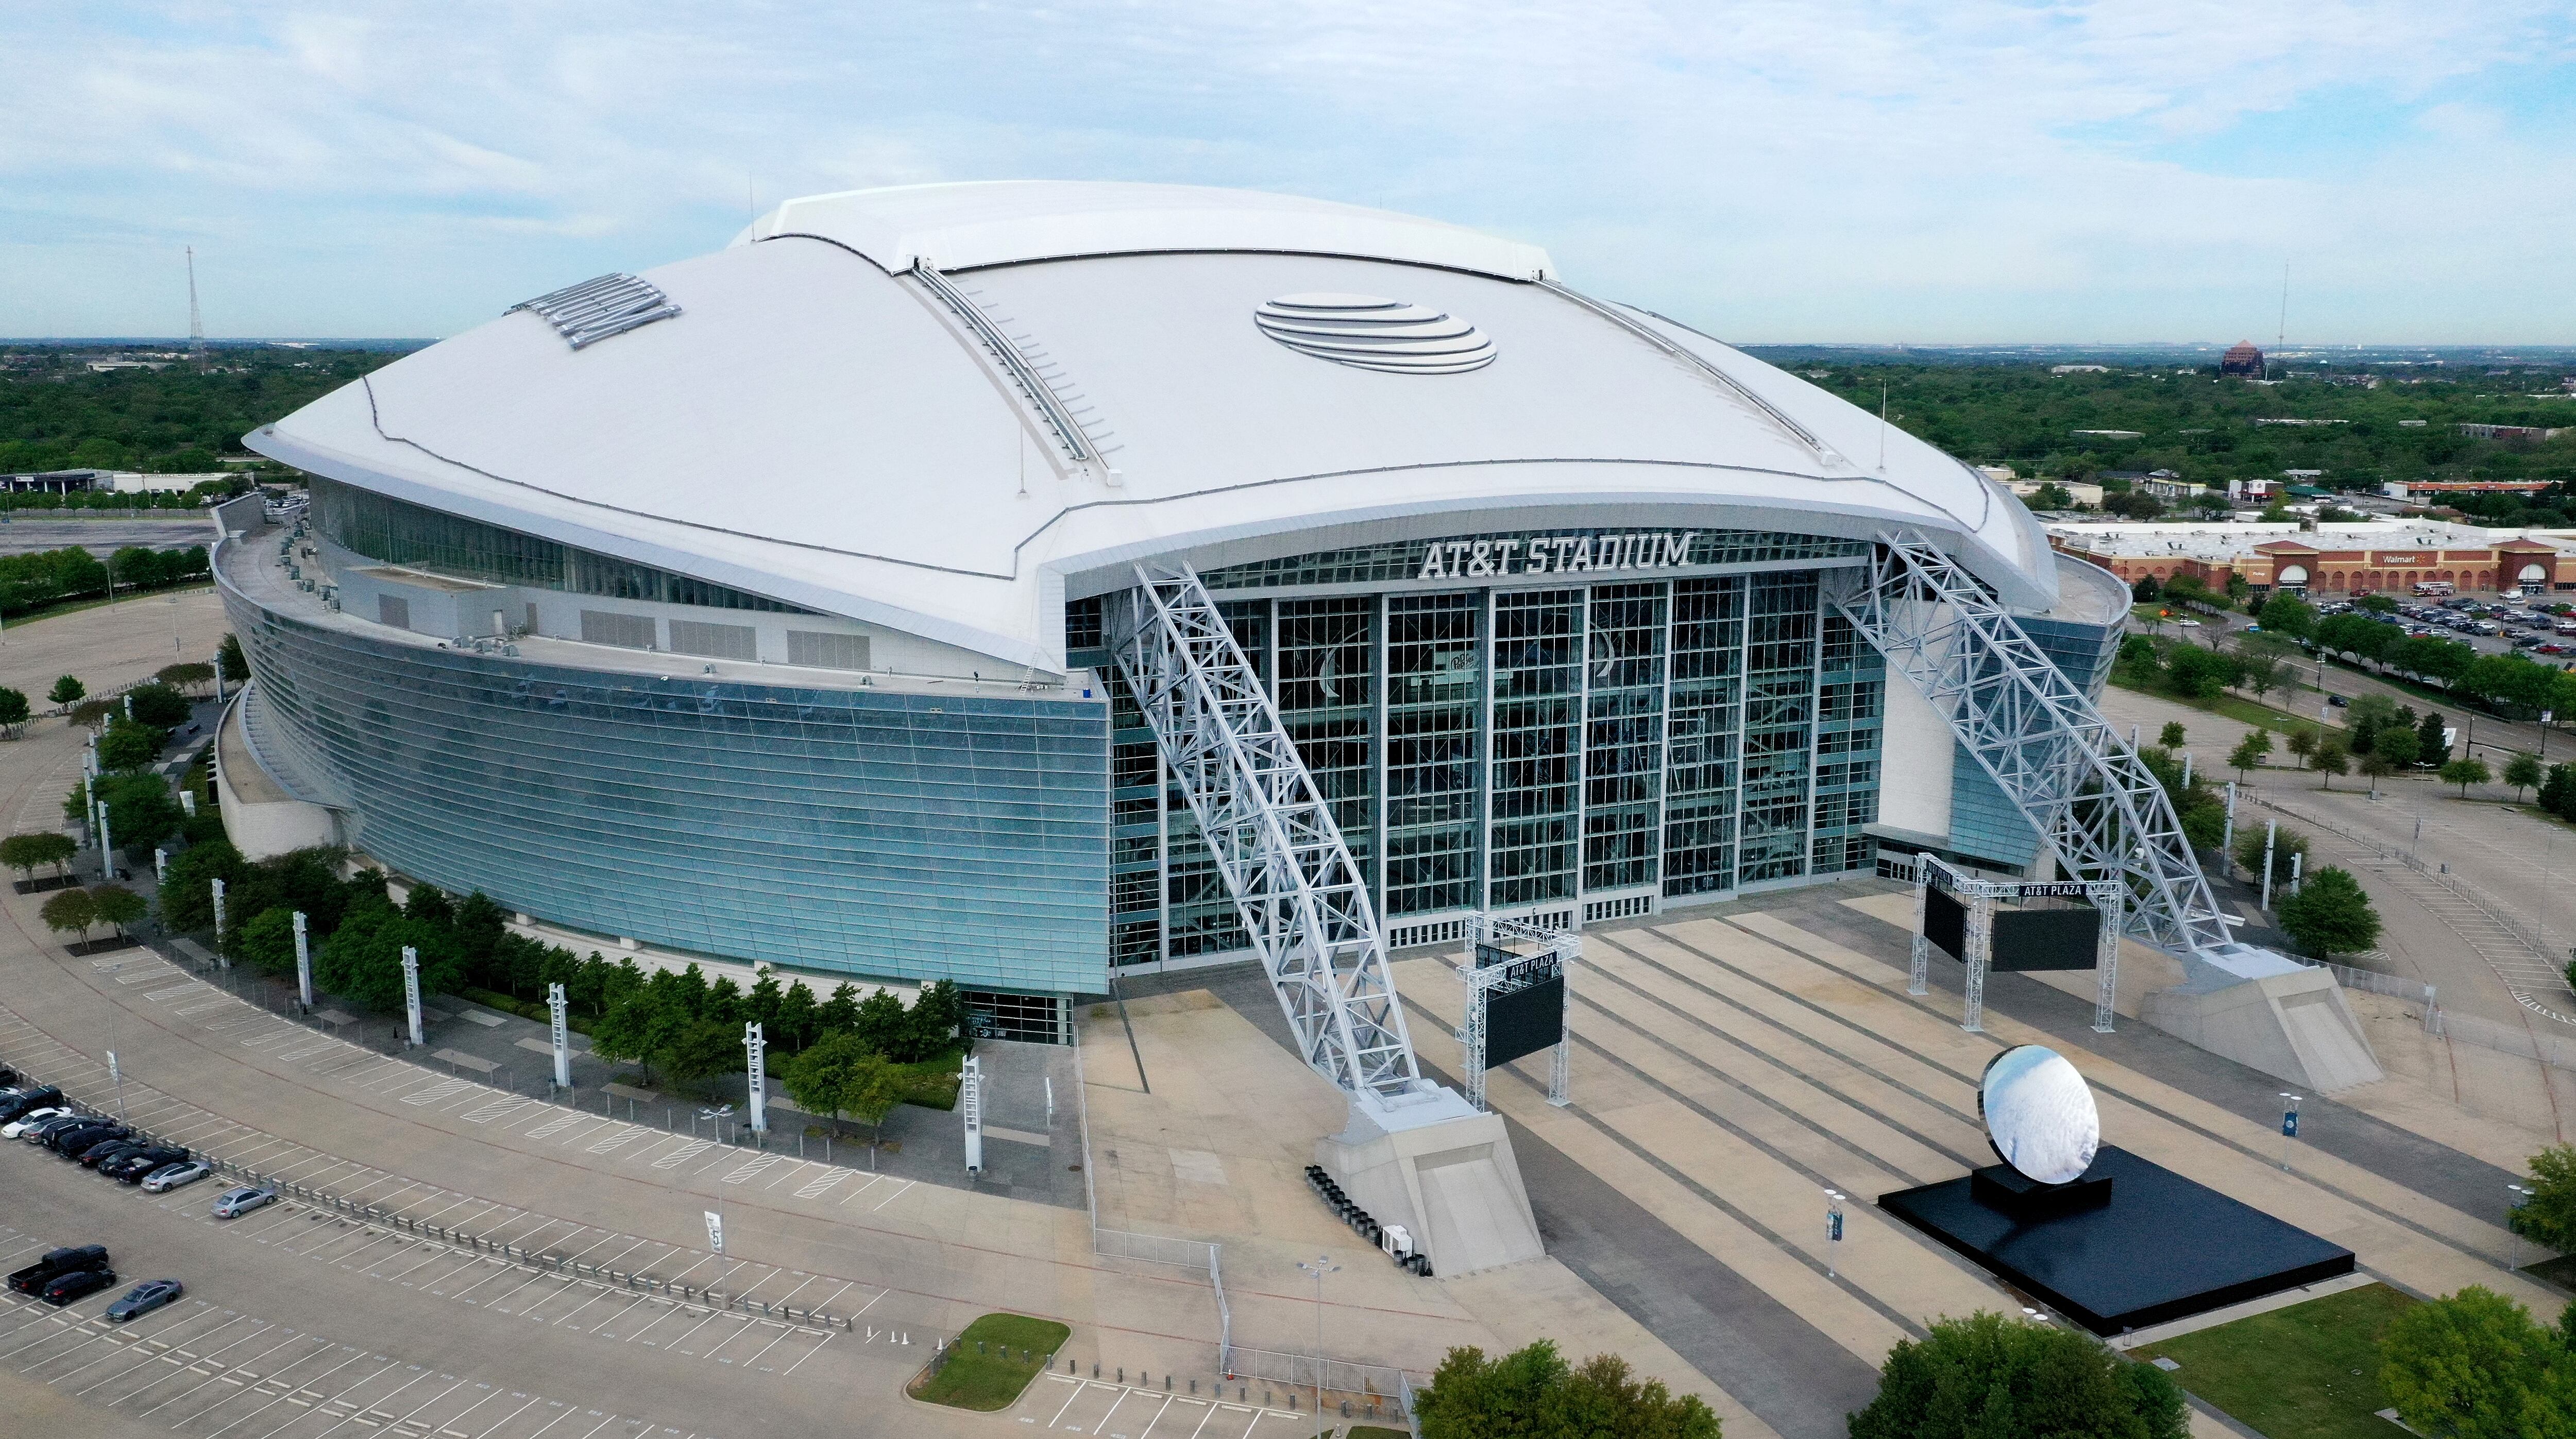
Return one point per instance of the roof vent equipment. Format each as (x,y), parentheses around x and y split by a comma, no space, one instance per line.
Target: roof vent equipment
(593,310)
(1375,334)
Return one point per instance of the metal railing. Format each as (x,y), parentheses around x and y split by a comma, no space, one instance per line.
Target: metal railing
(1377,1387)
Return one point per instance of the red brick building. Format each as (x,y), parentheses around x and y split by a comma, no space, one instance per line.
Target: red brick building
(2340,566)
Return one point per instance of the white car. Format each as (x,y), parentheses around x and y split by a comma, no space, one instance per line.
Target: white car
(30,1120)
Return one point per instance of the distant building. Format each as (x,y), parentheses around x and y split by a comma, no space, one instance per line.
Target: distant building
(2166,485)
(2353,558)
(2514,432)
(2241,359)
(2076,491)
(2409,489)
(2000,474)
(2110,434)
(2079,369)
(2254,492)
(63,482)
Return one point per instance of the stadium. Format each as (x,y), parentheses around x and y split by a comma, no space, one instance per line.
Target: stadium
(914,588)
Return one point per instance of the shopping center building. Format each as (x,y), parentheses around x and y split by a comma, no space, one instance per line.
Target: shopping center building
(768,605)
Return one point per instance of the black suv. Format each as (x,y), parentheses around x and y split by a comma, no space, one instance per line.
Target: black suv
(36,1276)
(16,1102)
(131,1166)
(105,1150)
(73,1143)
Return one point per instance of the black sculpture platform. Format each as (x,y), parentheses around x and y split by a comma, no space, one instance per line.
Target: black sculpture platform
(2157,1247)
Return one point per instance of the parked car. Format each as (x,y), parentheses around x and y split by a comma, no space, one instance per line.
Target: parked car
(33,1117)
(58,1261)
(62,1289)
(8,1076)
(44,1133)
(75,1142)
(143,1298)
(171,1176)
(242,1199)
(2339,702)
(20,1101)
(132,1167)
(105,1150)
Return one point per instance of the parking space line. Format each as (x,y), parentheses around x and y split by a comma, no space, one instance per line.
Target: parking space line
(808,1354)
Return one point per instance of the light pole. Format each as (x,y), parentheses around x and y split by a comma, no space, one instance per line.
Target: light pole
(2513,1208)
(1322,1266)
(2271,836)
(2227,836)
(411,992)
(1833,1228)
(2289,1124)
(303,962)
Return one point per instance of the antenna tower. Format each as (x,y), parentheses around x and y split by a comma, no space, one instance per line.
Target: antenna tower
(2281,336)
(196,326)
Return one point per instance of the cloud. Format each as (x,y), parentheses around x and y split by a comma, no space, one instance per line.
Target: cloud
(1976,169)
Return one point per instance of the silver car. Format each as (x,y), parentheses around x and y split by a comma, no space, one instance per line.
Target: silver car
(236,1202)
(143,1298)
(171,1176)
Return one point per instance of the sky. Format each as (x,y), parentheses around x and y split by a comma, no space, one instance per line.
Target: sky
(1958,171)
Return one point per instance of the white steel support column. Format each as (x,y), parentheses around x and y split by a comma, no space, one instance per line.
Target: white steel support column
(2035,733)
(1918,974)
(1981,952)
(2106,958)
(970,1110)
(1304,902)
(303,962)
(217,886)
(758,1072)
(411,993)
(562,1035)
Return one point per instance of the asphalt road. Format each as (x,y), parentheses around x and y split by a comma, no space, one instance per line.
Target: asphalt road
(27,533)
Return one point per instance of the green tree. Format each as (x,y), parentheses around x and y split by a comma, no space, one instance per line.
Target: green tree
(703,1049)
(267,943)
(228,657)
(2249,853)
(362,960)
(2288,614)
(2364,718)
(1991,1376)
(159,705)
(2397,745)
(186,675)
(2470,1366)
(1534,1392)
(2330,914)
(117,906)
(128,747)
(2250,751)
(2376,767)
(2303,743)
(839,1074)
(2464,773)
(2171,736)
(2522,772)
(2378,604)
(69,910)
(67,690)
(2264,675)
(879,1022)
(2199,674)
(14,712)
(841,1011)
(140,811)
(2331,761)
(935,1020)
(23,852)
(799,1016)
(2431,745)
(187,896)
(2558,791)
(2146,590)
(2549,1215)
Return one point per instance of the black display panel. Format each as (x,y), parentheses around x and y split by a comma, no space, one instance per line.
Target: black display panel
(1524,1021)
(1945,923)
(2027,939)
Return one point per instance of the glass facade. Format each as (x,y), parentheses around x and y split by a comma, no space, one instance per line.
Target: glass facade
(865,831)
(399,533)
(1582,748)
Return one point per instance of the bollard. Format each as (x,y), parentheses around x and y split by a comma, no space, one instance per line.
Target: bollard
(1346,1409)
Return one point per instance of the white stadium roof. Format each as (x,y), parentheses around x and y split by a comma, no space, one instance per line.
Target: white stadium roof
(934,408)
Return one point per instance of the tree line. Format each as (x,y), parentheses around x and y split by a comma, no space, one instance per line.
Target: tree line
(32,581)
(176,420)
(678,1022)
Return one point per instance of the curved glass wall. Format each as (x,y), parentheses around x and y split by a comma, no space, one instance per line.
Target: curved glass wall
(876,833)
(400,533)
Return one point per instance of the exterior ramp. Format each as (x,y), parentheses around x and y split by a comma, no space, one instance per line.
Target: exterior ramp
(1306,906)
(2104,813)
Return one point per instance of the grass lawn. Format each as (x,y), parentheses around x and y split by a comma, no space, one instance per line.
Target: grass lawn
(124,597)
(2310,1371)
(987,1381)
(1378,1431)
(2280,722)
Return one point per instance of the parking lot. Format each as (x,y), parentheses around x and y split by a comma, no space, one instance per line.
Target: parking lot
(1072,1405)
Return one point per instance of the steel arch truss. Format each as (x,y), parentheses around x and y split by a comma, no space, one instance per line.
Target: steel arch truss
(1302,897)
(2056,758)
